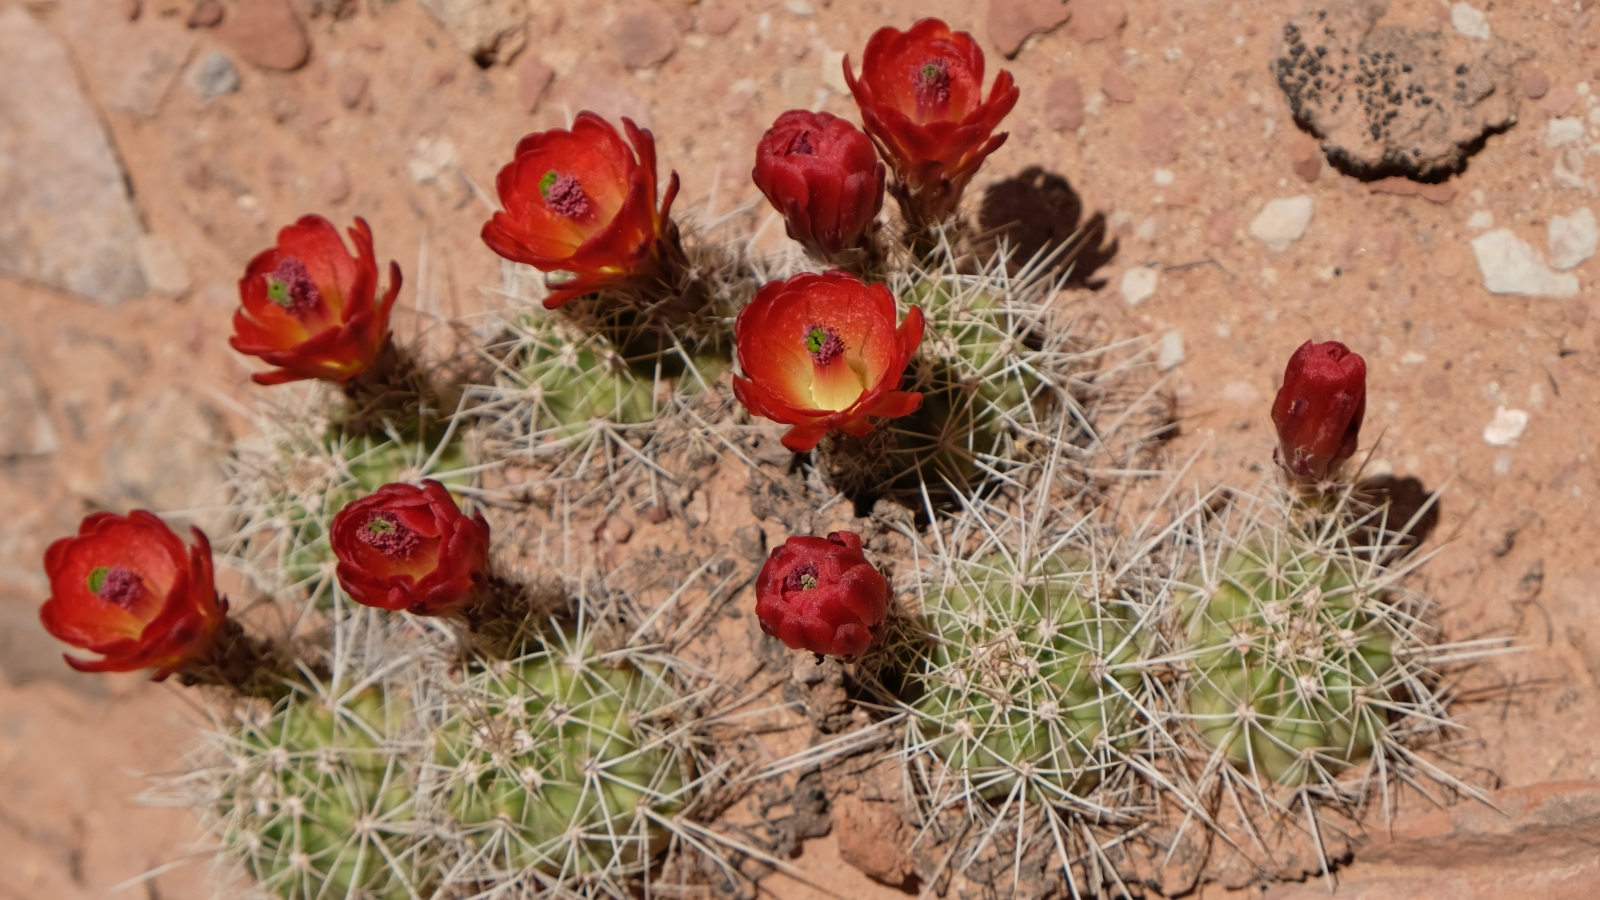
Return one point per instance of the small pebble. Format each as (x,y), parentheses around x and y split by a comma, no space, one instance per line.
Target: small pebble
(1138,284)
(1170,352)
(1115,85)
(212,75)
(616,530)
(1572,239)
(1535,84)
(1470,21)
(1282,221)
(333,183)
(1506,426)
(352,88)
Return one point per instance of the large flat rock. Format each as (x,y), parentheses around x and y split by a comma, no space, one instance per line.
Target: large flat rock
(66,219)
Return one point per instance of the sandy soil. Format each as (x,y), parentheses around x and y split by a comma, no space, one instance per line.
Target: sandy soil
(1193,144)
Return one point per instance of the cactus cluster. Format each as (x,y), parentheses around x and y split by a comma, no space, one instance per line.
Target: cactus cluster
(316,796)
(563,762)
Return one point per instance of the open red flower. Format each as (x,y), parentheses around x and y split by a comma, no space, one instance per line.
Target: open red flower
(822,174)
(312,309)
(921,99)
(1319,409)
(582,202)
(126,587)
(821,595)
(410,548)
(821,352)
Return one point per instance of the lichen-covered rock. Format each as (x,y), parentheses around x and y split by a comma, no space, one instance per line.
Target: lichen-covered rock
(1386,100)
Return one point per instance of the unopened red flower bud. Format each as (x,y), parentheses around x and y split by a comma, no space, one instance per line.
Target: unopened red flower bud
(1318,410)
(410,548)
(126,587)
(921,99)
(821,595)
(823,176)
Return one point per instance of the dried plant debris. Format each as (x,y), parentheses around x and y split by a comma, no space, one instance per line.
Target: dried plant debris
(1386,100)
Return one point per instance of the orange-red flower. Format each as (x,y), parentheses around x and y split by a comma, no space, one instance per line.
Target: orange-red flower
(410,548)
(824,177)
(821,595)
(127,588)
(1319,409)
(582,202)
(921,99)
(821,352)
(312,309)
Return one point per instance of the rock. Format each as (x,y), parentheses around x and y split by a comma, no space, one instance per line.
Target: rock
(490,31)
(1568,168)
(1169,352)
(1535,84)
(717,20)
(1480,220)
(212,75)
(166,456)
(1305,158)
(1387,100)
(833,72)
(266,34)
(1011,22)
(1096,20)
(25,428)
(164,270)
(207,14)
(333,182)
(1469,21)
(1063,103)
(1510,266)
(69,222)
(352,88)
(1138,284)
(1506,426)
(431,159)
(800,8)
(1405,187)
(797,87)
(1160,127)
(1563,131)
(130,67)
(533,79)
(872,838)
(644,38)
(1115,86)
(616,530)
(1282,221)
(750,542)
(1559,101)
(1572,239)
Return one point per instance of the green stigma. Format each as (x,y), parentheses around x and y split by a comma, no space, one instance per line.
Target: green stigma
(380,526)
(808,582)
(97,579)
(545,182)
(278,292)
(931,72)
(815,338)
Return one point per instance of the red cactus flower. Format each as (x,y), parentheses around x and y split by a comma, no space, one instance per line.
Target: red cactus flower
(821,352)
(921,99)
(582,202)
(127,588)
(824,177)
(410,548)
(1318,410)
(310,308)
(821,595)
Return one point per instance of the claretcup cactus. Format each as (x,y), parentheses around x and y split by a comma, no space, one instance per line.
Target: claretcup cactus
(1319,409)
(822,595)
(316,797)
(410,548)
(823,176)
(1021,678)
(563,765)
(583,202)
(823,352)
(921,99)
(310,308)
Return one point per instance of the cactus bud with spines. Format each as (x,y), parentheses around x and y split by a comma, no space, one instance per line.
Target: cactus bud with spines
(560,763)
(1021,679)
(319,800)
